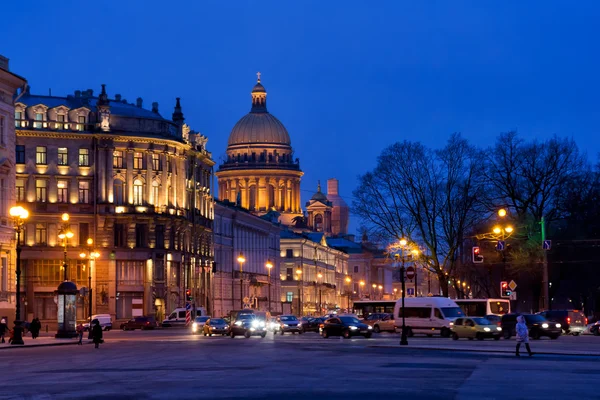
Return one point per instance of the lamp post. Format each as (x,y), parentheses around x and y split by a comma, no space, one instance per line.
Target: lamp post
(19,215)
(362,287)
(395,293)
(241,259)
(380,287)
(373,292)
(320,276)
(503,232)
(65,234)
(348,281)
(91,256)
(269,265)
(67,291)
(403,338)
(299,273)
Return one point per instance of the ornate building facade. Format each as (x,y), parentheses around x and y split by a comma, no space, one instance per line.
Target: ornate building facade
(255,281)
(260,172)
(9,83)
(137,184)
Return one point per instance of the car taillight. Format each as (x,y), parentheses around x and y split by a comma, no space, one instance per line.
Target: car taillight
(586,321)
(147,322)
(568,320)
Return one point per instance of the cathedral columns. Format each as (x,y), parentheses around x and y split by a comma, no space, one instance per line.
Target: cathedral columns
(109,174)
(262,194)
(149,179)
(164,182)
(100,172)
(129,176)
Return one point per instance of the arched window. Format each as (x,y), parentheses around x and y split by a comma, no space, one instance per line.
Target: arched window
(252,205)
(118,192)
(319,223)
(271,196)
(138,192)
(155,194)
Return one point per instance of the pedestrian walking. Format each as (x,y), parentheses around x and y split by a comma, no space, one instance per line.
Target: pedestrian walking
(97,333)
(80,330)
(522,335)
(35,328)
(3,329)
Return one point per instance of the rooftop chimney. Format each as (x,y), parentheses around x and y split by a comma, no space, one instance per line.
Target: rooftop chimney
(117,97)
(4,62)
(78,93)
(155,107)
(139,102)
(333,186)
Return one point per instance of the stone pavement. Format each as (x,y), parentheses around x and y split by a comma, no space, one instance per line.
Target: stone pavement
(41,341)
(177,365)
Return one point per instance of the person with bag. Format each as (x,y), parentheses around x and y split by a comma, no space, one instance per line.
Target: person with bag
(3,329)
(35,328)
(97,333)
(522,335)
(80,330)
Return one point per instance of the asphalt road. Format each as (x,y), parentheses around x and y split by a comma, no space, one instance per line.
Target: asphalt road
(174,364)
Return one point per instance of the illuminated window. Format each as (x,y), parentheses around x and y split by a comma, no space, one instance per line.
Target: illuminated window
(41,234)
(156,164)
(63,158)
(289,297)
(81,123)
(41,190)
(63,191)
(39,117)
(118,159)
(84,192)
(20,187)
(84,157)
(138,160)
(318,223)
(18,118)
(118,192)
(20,154)
(138,193)
(60,118)
(155,193)
(40,155)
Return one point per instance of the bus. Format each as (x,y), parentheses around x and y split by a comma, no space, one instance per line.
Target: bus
(483,307)
(364,308)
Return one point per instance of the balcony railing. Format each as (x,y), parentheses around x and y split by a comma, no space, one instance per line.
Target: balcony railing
(54,125)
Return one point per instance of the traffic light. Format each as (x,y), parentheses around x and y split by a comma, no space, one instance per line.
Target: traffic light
(477,257)
(505,291)
(188,295)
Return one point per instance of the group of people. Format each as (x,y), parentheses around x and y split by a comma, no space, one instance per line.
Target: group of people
(34,327)
(96,333)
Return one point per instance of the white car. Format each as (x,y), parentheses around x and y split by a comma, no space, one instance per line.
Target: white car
(105,321)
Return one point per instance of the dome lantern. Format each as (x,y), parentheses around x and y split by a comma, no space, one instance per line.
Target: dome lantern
(259,97)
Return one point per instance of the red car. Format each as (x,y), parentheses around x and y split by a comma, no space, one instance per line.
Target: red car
(139,323)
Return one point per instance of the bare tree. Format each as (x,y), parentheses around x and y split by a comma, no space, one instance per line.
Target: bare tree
(428,196)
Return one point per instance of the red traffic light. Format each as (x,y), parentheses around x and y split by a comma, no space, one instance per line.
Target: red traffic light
(188,292)
(476,250)
(504,285)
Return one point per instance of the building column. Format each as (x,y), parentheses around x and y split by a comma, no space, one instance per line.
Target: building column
(100,172)
(298,201)
(129,176)
(148,178)
(109,175)
(262,193)
(247,194)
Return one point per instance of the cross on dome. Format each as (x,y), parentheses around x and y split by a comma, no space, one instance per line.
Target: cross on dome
(258,77)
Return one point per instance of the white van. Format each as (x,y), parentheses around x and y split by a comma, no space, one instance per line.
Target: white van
(177,317)
(105,321)
(427,315)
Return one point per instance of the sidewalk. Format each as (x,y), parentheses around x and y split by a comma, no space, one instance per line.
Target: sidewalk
(496,350)
(43,341)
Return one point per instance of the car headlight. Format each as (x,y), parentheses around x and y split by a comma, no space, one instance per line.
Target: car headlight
(451,323)
(353,328)
(238,323)
(486,329)
(544,325)
(255,324)
(262,324)
(285,324)
(558,325)
(498,328)
(369,327)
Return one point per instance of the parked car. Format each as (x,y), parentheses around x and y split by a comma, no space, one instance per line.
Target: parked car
(105,321)
(537,324)
(496,319)
(573,322)
(289,323)
(345,326)
(198,324)
(475,328)
(248,325)
(310,324)
(381,322)
(215,326)
(177,318)
(142,323)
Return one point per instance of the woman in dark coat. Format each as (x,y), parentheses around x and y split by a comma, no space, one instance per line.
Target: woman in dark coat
(35,327)
(97,333)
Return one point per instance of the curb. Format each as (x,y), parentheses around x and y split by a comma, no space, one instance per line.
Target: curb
(482,351)
(26,346)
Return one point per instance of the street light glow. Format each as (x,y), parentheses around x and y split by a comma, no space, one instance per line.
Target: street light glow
(18,212)
(319,275)
(90,241)
(502,212)
(65,217)
(509,229)
(497,230)
(299,271)
(241,258)
(348,279)
(361,283)
(374,286)
(403,242)
(269,264)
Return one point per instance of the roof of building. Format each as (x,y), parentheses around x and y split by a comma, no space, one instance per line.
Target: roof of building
(320,196)
(259,126)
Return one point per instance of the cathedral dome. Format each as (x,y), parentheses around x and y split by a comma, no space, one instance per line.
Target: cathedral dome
(258,126)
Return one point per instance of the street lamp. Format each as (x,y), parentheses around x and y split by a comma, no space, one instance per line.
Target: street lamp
(395,293)
(362,287)
(403,243)
(65,234)
(348,281)
(269,265)
(91,256)
(241,259)
(67,291)
(299,273)
(380,292)
(320,276)
(19,215)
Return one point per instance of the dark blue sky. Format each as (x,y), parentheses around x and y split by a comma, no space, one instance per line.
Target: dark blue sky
(346,78)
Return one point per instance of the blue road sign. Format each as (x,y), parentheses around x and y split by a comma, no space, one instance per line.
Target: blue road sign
(547,245)
(501,245)
(188,306)
(410,291)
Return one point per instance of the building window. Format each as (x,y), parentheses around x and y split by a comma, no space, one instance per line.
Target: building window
(2,131)
(41,234)
(84,233)
(141,235)
(39,117)
(289,297)
(356,269)
(118,192)
(18,118)
(20,186)
(84,157)
(138,193)
(60,119)
(155,194)
(41,190)
(84,192)
(156,164)
(319,223)
(20,154)
(138,160)
(289,253)
(40,155)
(118,159)
(130,272)
(63,158)
(81,123)
(63,191)
(169,168)
(159,231)
(120,235)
